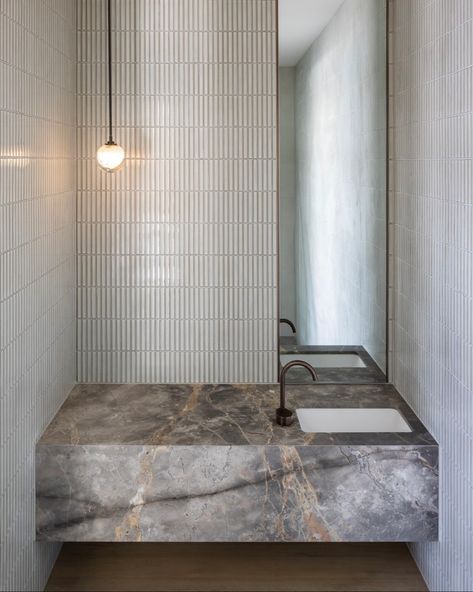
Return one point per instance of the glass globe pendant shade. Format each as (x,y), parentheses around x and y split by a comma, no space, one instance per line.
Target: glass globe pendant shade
(110,157)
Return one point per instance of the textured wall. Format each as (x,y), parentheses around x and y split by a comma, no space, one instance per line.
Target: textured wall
(177,252)
(37,260)
(287,196)
(433,257)
(341,182)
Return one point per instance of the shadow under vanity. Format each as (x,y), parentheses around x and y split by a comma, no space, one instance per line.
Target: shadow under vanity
(208,463)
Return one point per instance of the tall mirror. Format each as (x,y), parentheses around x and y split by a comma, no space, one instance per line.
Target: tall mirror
(333,198)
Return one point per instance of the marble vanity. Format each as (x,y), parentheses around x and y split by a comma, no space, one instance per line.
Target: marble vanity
(208,463)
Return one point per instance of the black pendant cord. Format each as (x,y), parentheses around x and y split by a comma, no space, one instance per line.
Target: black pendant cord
(110,135)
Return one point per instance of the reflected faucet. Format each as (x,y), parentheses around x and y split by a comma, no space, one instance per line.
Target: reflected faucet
(290,323)
(284,416)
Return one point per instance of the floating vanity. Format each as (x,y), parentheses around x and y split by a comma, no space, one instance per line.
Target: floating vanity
(208,463)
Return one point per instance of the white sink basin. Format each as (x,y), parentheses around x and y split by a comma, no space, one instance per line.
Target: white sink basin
(326,360)
(351,420)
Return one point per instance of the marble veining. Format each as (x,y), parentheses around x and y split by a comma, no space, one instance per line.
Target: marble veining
(208,463)
(204,415)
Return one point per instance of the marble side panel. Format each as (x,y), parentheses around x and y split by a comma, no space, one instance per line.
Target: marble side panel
(236,493)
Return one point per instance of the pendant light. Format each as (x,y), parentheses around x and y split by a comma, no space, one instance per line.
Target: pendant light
(110,156)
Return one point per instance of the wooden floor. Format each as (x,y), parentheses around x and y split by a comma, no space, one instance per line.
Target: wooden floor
(256,567)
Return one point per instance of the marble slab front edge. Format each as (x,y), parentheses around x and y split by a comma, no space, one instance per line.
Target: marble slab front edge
(208,463)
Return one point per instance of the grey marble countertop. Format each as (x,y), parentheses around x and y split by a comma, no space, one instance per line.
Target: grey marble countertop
(220,415)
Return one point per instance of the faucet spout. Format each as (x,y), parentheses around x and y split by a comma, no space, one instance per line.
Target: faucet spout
(284,416)
(290,323)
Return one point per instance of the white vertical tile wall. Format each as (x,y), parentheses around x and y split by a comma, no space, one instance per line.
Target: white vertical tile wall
(340,241)
(432,166)
(37,260)
(177,261)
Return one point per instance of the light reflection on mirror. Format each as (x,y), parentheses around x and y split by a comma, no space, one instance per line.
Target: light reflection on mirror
(333,240)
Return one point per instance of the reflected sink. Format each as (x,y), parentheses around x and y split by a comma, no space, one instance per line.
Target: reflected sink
(326,360)
(351,420)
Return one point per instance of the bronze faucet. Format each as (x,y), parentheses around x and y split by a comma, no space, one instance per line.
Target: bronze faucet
(290,323)
(284,416)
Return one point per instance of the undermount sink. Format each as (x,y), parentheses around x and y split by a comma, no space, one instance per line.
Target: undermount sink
(351,420)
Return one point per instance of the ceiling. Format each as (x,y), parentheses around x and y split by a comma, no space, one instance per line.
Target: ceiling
(300,23)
